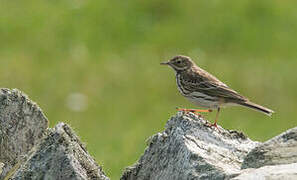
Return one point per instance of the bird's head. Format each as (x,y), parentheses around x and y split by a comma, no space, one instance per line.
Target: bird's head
(179,63)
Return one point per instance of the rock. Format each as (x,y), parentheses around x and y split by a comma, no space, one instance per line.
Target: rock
(1,167)
(278,172)
(22,125)
(60,155)
(30,150)
(281,149)
(187,149)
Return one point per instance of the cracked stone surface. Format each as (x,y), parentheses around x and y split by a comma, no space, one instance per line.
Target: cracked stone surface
(22,125)
(187,149)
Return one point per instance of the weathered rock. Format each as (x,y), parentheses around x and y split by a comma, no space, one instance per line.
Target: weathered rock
(281,149)
(187,149)
(278,172)
(1,167)
(30,150)
(22,125)
(60,155)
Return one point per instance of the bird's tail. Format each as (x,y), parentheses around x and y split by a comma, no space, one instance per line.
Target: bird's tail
(257,107)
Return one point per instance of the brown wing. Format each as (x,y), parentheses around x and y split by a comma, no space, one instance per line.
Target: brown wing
(203,82)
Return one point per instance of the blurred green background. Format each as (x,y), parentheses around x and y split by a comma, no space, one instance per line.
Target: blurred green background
(95,64)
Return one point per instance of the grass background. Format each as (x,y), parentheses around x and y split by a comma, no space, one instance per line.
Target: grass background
(95,64)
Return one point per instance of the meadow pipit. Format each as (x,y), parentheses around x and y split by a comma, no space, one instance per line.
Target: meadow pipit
(205,90)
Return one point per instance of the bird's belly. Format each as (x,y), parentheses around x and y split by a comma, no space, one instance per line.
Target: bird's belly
(204,103)
(203,100)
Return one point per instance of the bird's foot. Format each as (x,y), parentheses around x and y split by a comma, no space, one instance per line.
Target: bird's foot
(213,125)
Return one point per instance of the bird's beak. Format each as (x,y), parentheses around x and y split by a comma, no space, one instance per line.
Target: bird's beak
(164,63)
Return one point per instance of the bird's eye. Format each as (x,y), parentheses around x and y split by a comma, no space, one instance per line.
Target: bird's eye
(178,62)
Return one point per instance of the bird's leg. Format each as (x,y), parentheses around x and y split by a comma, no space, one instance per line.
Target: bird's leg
(216,120)
(195,111)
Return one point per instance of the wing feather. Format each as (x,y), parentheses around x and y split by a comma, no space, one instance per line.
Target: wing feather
(205,83)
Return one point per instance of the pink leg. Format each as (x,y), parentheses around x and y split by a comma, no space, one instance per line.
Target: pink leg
(195,111)
(216,120)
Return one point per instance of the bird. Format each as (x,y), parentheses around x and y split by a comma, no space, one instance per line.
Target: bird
(205,90)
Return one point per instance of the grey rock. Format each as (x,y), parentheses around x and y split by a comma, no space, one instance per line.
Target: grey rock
(278,172)
(60,155)
(281,149)
(1,167)
(188,149)
(22,125)
(30,150)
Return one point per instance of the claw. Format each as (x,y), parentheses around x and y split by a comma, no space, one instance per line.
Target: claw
(213,125)
(195,111)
